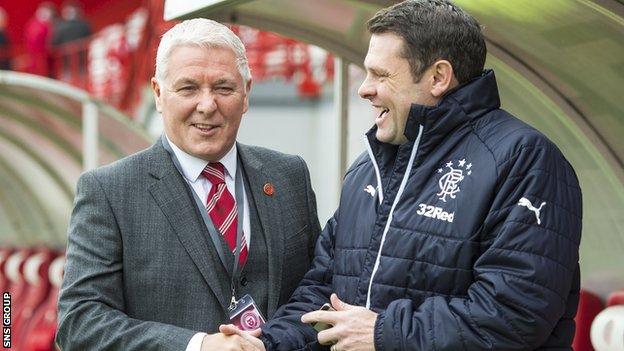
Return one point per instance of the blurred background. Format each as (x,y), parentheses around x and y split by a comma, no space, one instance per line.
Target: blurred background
(74,94)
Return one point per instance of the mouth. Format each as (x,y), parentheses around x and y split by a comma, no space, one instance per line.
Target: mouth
(207,129)
(384,111)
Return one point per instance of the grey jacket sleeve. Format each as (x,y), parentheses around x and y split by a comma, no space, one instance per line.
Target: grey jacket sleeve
(91,303)
(523,277)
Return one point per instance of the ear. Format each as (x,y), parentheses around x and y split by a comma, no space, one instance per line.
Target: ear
(443,78)
(246,99)
(157,97)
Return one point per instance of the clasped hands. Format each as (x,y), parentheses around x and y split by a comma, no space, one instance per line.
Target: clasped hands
(352,329)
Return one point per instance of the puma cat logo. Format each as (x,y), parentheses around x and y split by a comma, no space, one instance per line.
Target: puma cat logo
(526,203)
(372,191)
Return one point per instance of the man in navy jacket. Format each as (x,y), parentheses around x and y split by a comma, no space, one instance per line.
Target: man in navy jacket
(459,228)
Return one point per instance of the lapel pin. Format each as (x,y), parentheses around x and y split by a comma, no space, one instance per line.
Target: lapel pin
(268,189)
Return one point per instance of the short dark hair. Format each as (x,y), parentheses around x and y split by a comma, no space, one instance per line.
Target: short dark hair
(434,30)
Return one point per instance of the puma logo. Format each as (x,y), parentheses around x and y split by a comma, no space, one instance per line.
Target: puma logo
(526,203)
(372,191)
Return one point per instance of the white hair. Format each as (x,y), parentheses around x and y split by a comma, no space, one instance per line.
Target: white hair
(203,33)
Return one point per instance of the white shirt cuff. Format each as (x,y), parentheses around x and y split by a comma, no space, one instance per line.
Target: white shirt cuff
(196,342)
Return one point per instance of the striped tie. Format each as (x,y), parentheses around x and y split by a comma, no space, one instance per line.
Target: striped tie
(221,208)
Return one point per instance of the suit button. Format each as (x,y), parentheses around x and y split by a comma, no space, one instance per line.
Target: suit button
(243,281)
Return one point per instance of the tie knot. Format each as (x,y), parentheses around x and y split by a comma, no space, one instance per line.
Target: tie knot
(215,173)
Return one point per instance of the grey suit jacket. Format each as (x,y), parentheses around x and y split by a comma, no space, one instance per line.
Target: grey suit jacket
(141,271)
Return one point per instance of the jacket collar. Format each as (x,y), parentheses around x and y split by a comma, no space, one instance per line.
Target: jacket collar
(458,106)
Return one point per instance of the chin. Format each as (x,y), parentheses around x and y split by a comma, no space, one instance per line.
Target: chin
(382,137)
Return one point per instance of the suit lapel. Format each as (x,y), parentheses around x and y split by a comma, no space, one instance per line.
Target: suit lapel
(171,194)
(268,209)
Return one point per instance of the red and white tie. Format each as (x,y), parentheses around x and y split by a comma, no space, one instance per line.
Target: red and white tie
(221,208)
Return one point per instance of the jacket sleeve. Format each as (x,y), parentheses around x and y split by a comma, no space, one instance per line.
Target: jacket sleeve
(285,332)
(522,278)
(91,302)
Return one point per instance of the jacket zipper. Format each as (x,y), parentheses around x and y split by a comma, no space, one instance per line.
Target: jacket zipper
(394,203)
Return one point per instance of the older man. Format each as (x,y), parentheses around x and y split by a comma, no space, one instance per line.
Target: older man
(459,228)
(162,243)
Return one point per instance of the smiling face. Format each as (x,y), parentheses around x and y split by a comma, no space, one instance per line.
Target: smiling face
(202,100)
(390,86)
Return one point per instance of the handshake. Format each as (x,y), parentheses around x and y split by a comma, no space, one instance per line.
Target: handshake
(341,325)
(230,338)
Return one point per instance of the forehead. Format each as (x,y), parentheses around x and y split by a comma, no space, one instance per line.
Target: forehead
(198,62)
(384,48)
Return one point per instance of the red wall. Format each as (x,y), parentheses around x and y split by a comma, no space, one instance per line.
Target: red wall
(98,12)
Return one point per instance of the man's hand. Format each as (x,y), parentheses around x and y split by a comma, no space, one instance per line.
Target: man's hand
(249,337)
(353,327)
(224,342)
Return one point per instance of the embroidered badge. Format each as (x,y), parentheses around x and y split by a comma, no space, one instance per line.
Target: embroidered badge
(449,182)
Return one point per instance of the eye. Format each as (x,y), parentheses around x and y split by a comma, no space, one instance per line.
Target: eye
(224,89)
(377,75)
(186,89)
(382,75)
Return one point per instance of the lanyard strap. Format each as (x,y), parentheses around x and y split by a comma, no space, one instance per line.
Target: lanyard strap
(215,236)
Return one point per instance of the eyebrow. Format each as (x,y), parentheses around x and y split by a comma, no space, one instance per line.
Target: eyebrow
(183,81)
(224,81)
(378,71)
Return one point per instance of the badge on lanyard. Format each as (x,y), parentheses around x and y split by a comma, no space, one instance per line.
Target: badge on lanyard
(244,314)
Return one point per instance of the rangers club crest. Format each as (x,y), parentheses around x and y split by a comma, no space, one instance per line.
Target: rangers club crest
(449,182)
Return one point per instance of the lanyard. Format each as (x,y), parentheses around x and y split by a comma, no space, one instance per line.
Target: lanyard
(215,236)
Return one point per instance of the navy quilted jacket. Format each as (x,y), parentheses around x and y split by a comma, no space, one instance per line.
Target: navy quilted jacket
(464,238)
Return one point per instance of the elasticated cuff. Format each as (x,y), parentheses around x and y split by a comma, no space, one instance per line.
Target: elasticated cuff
(379,323)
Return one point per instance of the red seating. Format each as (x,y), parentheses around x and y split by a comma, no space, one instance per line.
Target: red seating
(589,306)
(615,298)
(36,269)
(33,278)
(4,281)
(14,270)
(40,334)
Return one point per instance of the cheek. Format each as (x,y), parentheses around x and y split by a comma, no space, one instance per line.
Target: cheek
(180,108)
(232,109)
(393,88)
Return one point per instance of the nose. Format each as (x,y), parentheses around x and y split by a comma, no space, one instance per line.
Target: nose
(207,102)
(367,89)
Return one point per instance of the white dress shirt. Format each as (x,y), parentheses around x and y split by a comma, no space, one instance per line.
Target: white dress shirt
(191,171)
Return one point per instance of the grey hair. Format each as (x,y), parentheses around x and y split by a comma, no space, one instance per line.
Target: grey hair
(203,33)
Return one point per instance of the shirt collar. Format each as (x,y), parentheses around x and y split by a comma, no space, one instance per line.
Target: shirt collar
(193,166)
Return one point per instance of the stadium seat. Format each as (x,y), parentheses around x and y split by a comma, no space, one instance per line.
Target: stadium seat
(14,270)
(615,298)
(607,329)
(4,281)
(589,306)
(43,325)
(36,269)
